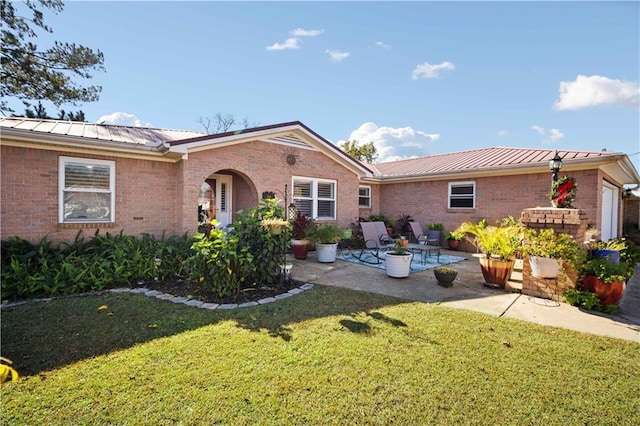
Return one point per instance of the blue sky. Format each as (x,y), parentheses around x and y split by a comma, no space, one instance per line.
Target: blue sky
(415,78)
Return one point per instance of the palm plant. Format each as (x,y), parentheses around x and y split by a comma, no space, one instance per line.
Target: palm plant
(503,241)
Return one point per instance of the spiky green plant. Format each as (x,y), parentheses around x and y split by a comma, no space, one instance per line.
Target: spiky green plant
(502,241)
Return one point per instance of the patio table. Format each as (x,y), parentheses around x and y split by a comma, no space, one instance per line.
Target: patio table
(425,250)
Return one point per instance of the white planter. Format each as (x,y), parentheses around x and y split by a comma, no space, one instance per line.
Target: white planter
(398,265)
(326,252)
(544,267)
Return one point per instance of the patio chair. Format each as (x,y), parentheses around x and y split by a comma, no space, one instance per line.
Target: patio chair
(376,239)
(429,239)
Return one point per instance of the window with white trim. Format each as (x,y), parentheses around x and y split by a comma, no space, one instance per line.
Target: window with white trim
(364,196)
(462,195)
(86,190)
(315,197)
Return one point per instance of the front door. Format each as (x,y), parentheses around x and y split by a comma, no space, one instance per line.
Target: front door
(223,200)
(609,215)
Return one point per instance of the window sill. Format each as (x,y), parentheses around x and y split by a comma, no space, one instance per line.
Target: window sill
(87,225)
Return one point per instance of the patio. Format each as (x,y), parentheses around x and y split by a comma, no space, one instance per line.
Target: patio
(469,292)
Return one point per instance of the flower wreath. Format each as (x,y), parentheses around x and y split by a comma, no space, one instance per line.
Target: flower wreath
(563,192)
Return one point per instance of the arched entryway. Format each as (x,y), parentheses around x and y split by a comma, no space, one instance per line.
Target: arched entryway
(222,194)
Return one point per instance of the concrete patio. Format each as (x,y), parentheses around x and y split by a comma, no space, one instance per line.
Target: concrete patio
(469,292)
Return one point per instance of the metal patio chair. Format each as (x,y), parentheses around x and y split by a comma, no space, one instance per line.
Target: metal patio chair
(428,239)
(376,239)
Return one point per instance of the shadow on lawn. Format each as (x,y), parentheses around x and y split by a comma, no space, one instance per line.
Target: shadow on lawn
(42,336)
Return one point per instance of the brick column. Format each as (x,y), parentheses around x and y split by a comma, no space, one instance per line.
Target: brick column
(566,221)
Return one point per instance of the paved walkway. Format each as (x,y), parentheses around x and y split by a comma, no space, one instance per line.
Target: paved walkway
(469,292)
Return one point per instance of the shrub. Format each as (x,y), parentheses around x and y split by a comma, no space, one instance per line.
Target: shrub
(267,249)
(388,222)
(219,264)
(548,243)
(104,261)
(588,300)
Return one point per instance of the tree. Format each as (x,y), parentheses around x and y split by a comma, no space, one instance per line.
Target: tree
(29,73)
(366,152)
(222,123)
(39,111)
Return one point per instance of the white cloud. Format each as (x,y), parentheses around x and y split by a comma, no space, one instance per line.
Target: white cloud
(336,55)
(383,45)
(427,70)
(550,136)
(394,143)
(596,90)
(290,43)
(123,119)
(555,134)
(299,32)
(502,133)
(538,129)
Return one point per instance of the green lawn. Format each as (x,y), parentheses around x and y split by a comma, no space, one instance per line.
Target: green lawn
(327,356)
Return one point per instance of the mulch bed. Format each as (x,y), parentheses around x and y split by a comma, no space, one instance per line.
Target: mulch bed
(184,288)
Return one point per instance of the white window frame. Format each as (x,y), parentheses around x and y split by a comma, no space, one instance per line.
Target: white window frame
(62,162)
(314,195)
(451,196)
(367,197)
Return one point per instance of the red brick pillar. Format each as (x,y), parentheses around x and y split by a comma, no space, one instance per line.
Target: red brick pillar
(567,221)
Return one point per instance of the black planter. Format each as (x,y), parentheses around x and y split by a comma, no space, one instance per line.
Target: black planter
(445,279)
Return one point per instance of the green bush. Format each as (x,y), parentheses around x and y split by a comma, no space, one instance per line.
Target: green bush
(267,249)
(588,300)
(223,263)
(249,255)
(219,265)
(105,261)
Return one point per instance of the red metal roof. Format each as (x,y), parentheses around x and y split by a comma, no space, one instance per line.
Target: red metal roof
(478,159)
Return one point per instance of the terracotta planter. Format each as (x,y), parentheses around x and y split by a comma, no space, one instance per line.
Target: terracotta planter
(300,248)
(453,244)
(496,272)
(608,293)
(544,267)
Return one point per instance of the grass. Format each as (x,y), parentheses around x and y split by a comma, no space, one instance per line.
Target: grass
(327,356)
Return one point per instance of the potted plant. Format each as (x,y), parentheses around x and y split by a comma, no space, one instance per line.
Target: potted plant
(605,278)
(610,249)
(499,243)
(453,239)
(445,275)
(302,226)
(326,238)
(435,232)
(548,250)
(398,261)
(402,224)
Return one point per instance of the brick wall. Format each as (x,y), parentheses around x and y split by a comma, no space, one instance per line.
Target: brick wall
(258,167)
(568,221)
(145,196)
(496,198)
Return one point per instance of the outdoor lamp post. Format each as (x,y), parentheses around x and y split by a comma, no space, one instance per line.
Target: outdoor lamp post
(555,164)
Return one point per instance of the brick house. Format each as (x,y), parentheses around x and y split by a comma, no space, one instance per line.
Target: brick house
(59,177)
